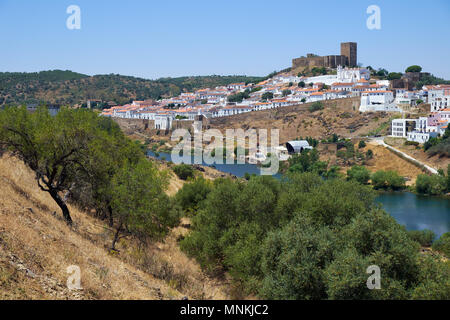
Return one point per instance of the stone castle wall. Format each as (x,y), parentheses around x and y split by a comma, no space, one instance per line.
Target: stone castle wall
(348,57)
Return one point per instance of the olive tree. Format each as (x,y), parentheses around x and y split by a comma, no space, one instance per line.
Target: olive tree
(53,147)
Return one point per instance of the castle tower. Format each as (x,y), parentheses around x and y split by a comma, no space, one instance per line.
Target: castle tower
(349,50)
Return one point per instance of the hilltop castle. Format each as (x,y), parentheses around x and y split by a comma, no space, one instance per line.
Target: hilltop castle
(348,57)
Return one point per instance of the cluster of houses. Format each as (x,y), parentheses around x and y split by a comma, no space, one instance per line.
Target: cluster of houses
(279,91)
(286,89)
(423,128)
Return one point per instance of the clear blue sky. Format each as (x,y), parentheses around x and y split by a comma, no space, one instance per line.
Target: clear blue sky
(153,39)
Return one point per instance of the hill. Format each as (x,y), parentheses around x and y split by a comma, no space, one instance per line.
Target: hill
(70,88)
(36,247)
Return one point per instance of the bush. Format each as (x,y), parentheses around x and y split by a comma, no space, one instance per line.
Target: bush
(388,180)
(431,185)
(191,194)
(361,144)
(359,174)
(305,237)
(316,106)
(424,237)
(267,96)
(411,143)
(443,244)
(184,171)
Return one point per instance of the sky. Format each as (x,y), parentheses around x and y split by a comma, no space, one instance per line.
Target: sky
(170,38)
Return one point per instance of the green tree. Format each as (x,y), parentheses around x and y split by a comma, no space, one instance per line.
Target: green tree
(359,173)
(423,237)
(414,68)
(191,194)
(443,244)
(394,75)
(293,260)
(267,96)
(316,106)
(431,185)
(55,148)
(139,205)
(184,171)
(387,180)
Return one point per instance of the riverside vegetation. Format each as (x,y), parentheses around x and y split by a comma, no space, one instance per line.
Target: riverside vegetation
(306,237)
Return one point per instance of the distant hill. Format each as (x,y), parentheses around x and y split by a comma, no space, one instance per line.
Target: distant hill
(70,88)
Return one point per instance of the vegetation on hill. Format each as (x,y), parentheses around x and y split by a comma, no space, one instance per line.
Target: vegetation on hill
(439,145)
(81,157)
(426,79)
(69,88)
(435,184)
(306,237)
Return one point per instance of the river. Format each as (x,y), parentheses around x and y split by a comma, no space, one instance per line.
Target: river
(418,212)
(413,211)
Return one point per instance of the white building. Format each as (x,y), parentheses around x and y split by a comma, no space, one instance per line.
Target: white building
(352,74)
(406,98)
(380,100)
(439,97)
(412,129)
(163,121)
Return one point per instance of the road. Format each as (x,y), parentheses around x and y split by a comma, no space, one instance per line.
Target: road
(380,141)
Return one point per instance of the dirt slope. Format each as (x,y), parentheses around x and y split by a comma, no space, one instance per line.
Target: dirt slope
(340,116)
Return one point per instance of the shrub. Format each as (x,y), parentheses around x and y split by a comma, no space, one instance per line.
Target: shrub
(361,144)
(431,185)
(191,194)
(267,96)
(424,237)
(359,173)
(388,180)
(411,143)
(184,171)
(443,244)
(316,106)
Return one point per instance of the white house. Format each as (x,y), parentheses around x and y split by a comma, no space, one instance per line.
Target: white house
(342,86)
(412,129)
(163,121)
(439,97)
(352,75)
(380,100)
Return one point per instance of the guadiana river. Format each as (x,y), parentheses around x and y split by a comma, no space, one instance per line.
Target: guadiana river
(413,211)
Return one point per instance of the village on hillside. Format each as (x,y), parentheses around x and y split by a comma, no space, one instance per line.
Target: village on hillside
(286,89)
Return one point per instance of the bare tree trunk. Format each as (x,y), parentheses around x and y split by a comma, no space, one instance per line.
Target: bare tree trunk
(65,210)
(116,237)
(111,219)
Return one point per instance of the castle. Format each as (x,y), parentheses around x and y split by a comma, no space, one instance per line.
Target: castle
(348,57)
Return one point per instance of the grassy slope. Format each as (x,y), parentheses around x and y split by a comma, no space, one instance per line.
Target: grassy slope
(36,247)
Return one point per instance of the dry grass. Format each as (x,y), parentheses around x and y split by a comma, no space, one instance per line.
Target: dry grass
(418,153)
(340,116)
(36,247)
(383,159)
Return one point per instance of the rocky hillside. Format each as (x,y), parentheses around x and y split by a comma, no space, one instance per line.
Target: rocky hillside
(339,116)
